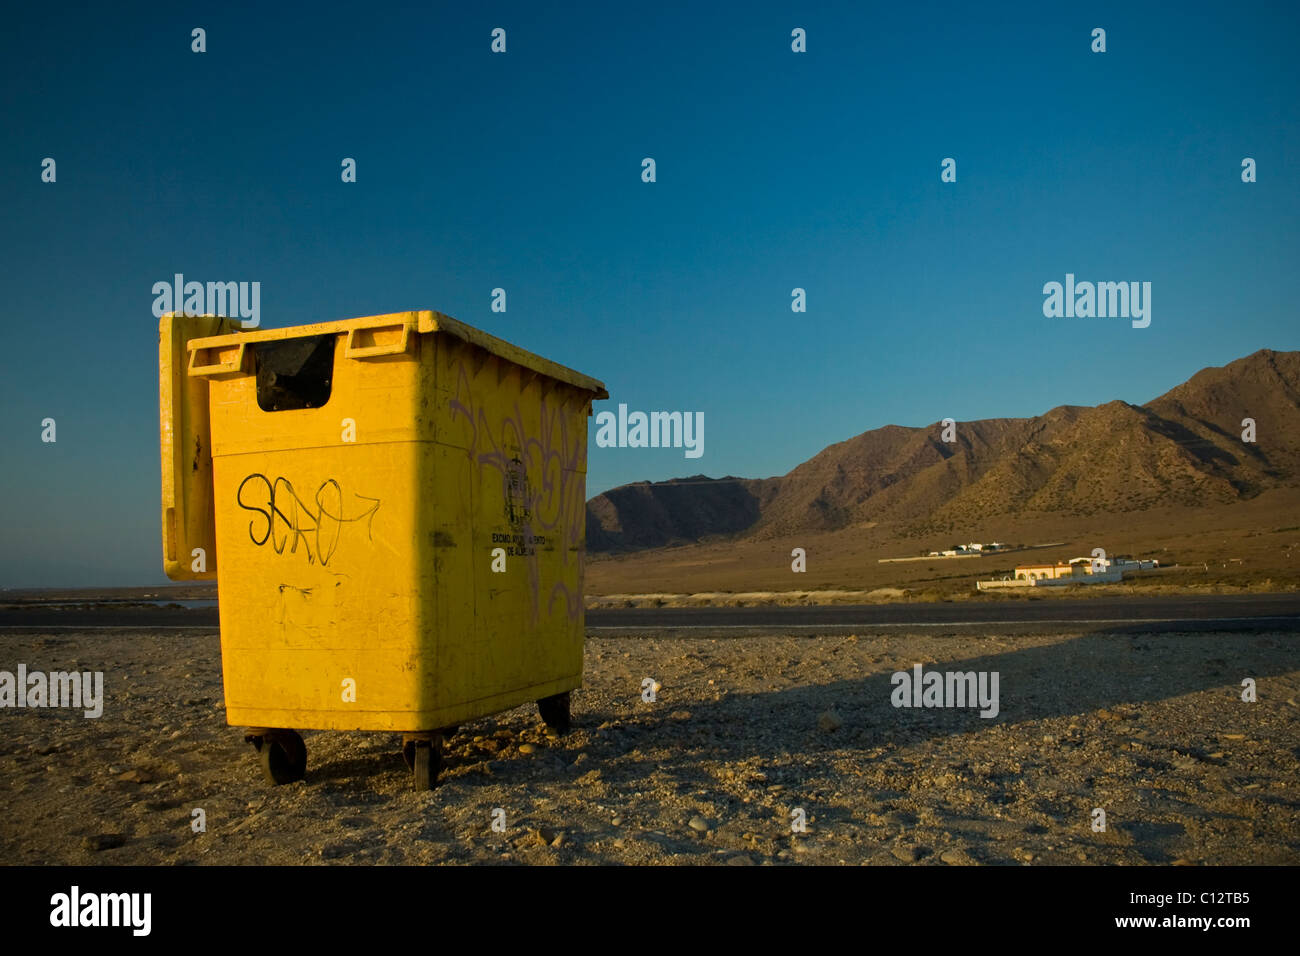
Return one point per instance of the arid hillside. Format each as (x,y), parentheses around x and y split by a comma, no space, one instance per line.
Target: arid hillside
(1183,449)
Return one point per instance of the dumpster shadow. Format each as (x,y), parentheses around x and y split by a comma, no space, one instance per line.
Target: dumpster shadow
(878,777)
(656,761)
(1098,671)
(337,762)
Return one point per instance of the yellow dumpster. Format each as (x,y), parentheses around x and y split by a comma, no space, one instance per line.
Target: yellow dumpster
(394,510)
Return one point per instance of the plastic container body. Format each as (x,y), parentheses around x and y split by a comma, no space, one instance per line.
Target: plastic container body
(399,507)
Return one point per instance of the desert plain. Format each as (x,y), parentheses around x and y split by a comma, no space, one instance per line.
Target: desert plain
(763,749)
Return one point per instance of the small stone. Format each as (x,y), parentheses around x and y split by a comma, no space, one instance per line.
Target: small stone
(103,841)
(1182,861)
(134,776)
(698,823)
(617,821)
(740,859)
(953,857)
(526,748)
(829,722)
(908,854)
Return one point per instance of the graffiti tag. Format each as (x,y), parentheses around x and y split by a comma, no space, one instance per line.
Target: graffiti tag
(288,521)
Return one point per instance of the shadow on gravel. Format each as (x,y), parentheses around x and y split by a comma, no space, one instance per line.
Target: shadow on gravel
(1104,669)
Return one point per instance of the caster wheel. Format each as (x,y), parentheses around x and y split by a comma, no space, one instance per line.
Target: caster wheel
(424,759)
(554,711)
(283,756)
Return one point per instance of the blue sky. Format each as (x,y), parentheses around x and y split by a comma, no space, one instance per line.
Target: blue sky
(775,170)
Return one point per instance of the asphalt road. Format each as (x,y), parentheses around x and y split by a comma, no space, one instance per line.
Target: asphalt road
(1176,612)
(1236,612)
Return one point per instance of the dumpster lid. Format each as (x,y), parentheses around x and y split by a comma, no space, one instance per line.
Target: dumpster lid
(425,321)
(188,516)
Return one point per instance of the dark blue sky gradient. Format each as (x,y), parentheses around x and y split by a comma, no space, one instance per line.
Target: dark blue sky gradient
(522,171)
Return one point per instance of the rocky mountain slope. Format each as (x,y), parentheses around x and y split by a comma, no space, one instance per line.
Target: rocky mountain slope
(1184,447)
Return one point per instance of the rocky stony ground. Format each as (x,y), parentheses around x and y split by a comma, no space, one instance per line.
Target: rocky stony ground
(748,740)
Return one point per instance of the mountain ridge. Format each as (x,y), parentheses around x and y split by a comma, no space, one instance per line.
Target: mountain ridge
(1184,446)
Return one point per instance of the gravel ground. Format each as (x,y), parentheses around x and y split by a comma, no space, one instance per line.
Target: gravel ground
(743,733)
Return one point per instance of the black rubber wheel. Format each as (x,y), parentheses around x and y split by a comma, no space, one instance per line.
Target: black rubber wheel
(283,756)
(554,711)
(426,761)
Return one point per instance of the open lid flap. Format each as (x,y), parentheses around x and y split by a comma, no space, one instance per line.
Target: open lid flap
(188,512)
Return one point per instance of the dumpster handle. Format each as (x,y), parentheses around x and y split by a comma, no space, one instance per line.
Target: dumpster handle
(352,349)
(234,365)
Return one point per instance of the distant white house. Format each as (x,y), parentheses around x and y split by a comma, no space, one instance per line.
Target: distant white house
(974,547)
(1075,571)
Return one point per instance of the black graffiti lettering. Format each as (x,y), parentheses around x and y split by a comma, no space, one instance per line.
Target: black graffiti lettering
(239,498)
(291,520)
(288,517)
(329,523)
